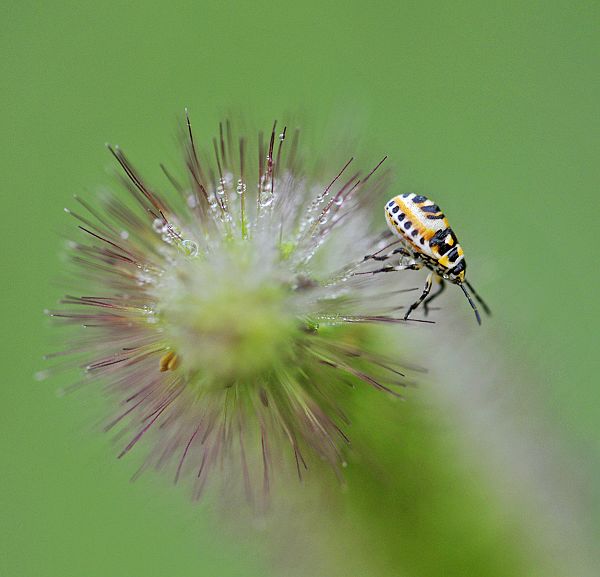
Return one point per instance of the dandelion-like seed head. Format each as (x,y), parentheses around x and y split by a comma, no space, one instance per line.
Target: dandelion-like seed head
(224,315)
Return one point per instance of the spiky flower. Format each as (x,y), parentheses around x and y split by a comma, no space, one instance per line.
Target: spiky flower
(225,316)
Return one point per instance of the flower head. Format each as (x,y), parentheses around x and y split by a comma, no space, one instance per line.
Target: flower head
(225,315)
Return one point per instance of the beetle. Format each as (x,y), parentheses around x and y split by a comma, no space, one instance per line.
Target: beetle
(427,239)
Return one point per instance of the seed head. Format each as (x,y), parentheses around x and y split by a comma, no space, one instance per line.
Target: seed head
(224,316)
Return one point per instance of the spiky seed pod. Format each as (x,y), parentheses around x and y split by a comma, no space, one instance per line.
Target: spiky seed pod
(223,316)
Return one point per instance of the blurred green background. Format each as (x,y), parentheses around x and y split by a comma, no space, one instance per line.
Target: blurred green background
(492,107)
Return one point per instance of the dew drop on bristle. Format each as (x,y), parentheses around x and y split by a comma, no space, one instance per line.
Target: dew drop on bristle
(266,199)
(144,279)
(150,314)
(158,225)
(190,247)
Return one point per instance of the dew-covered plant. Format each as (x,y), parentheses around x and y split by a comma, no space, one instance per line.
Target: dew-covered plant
(223,316)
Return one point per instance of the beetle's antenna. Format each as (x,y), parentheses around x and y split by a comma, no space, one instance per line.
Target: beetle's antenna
(462,286)
(479,299)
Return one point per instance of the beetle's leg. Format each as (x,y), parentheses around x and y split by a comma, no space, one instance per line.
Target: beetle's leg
(379,256)
(479,299)
(437,293)
(414,266)
(423,296)
(401,251)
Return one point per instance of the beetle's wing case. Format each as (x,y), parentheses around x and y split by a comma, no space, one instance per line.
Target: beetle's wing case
(416,219)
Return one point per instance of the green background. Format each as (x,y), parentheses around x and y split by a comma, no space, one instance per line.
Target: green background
(492,107)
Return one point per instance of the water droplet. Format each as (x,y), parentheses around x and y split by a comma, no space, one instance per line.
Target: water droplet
(191,201)
(124,234)
(241,187)
(158,225)
(338,201)
(190,247)
(266,199)
(40,375)
(150,314)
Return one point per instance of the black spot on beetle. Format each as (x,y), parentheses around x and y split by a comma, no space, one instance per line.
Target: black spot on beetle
(438,241)
(432,208)
(407,224)
(419,198)
(461,266)
(440,236)
(414,232)
(401,217)
(395,209)
(453,254)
